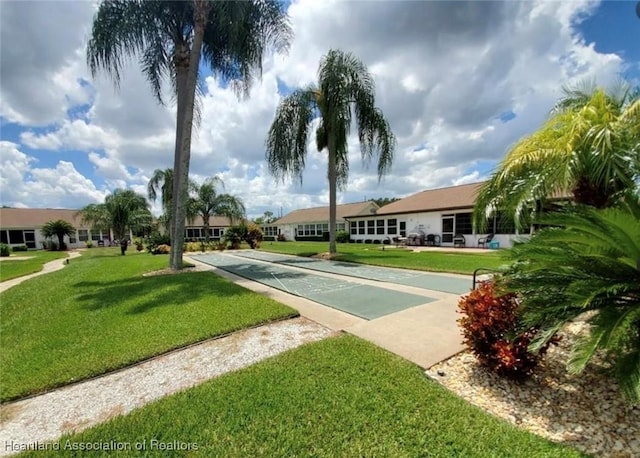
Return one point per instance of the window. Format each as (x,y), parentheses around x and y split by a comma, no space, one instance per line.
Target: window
(309,229)
(380,227)
(300,229)
(502,223)
(16,237)
(323,228)
(95,234)
(340,227)
(194,233)
(3,237)
(392,226)
(72,239)
(463,223)
(354,227)
(361,227)
(83,235)
(371,228)
(403,228)
(270,231)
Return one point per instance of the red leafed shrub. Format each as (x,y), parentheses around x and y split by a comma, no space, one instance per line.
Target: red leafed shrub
(490,328)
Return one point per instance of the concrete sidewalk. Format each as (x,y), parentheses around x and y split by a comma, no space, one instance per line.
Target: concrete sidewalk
(50,266)
(425,334)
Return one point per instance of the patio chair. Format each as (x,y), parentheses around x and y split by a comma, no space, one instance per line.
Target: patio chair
(459,241)
(484,241)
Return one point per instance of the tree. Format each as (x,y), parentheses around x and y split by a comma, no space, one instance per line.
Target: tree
(589,149)
(161,183)
(122,211)
(586,262)
(266,218)
(172,40)
(207,203)
(59,229)
(382,201)
(345,88)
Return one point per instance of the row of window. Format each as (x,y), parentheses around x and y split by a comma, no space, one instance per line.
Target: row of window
(316,229)
(270,231)
(199,233)
(378,227)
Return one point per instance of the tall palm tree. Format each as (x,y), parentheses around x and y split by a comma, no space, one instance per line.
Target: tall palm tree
(58,228)
(344,88)
(589,148)
(123,211)
(172,40)
(161,184)
(207,203)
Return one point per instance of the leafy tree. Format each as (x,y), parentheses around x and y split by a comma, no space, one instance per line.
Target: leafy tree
(207,203)
(345,88)
(589,148)
(58,228)
(382,201)
(266,218)
(122,211)
(173,39)
(587,262)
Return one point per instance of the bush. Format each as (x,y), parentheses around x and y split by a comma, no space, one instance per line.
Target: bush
(253,235)
(234,236)
(4,249)
(89,244)
(490,328)
(281,238)
(342,237)
(138,243)
(193,247)
(161,249)
(20,248)
(156,239)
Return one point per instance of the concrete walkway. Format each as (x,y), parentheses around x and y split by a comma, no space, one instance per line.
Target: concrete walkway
(425,334)
(50,266)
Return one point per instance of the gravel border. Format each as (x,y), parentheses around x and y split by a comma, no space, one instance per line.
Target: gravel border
(585,411)
(78,407)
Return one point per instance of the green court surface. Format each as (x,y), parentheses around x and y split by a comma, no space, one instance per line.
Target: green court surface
(446,284)
(364,301)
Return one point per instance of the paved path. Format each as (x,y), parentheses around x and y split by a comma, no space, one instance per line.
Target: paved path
(425,334)
(50,266)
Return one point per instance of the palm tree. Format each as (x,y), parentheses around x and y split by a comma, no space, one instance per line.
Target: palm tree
(207,203)
(123,211)
(172,39)
(587,261)
(344,88)
(162,182)
(589,149)
(59,229)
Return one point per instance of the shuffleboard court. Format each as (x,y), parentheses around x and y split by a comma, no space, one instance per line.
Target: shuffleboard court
(446,284)
(364,301)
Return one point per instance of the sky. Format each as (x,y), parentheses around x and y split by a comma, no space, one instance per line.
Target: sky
(458,81)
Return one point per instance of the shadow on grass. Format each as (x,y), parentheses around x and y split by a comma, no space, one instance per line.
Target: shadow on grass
(147,293)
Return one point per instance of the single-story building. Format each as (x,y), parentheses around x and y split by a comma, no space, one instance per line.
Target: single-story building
(437,214)
(313,223)
(194,230)
(22,226)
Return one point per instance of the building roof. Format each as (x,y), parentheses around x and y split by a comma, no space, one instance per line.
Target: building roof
(214,221)
(450,198)
(23,218)
(321,214)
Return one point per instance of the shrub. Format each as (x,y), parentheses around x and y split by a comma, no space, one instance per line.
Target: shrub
(156,239)
(138,243)
(234,236)
(342,237)
(89,244)
(281,238)
(20,248)
(220,245)
(161,249)
(253,235)
(491,330)
(192,247)
(4,249)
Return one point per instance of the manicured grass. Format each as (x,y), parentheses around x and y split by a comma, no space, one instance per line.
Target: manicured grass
(17,268)
(99,313)
(463,263)
(339,397)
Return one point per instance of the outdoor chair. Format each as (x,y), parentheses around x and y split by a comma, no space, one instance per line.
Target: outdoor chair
(484,241)
(459,241)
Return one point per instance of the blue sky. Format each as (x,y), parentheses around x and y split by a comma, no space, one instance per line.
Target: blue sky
(458,81)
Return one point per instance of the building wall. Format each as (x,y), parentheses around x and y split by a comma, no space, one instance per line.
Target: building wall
(11,237)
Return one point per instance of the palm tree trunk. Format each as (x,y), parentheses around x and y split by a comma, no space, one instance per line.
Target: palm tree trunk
(332,173)
(206,228)
(60,241)
(181,163)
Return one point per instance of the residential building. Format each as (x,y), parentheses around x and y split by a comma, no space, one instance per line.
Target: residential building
(313,223)
(442,213)
(194,230)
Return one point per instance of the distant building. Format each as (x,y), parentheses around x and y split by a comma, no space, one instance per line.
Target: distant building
(313,223)
(22,226)
(442,213)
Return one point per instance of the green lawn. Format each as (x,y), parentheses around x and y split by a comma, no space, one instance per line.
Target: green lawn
(463,263)
(11,269)
(339,397)
(99,313)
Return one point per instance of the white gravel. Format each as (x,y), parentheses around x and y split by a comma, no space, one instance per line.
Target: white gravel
(585,411)
(77,407)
